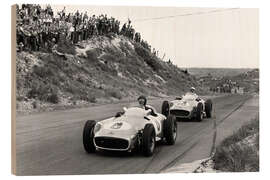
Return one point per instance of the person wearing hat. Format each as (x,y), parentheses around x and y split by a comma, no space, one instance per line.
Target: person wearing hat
(142,101)
(192,91)
(142,104)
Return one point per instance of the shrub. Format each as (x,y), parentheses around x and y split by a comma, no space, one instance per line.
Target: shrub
(53,97)
(43,92)
(55,80)
(84,96)
(19,98)
(109,57)
(185,71)
(124,48)
(110,35)
(92,55)
(34,104)
(148,58)
(114,93)
(106,68)
(114,52)
(42,72)
(234,157)
(132,70)
(73,88)
(66,47)
(245,131)
(92,99)
(144,53)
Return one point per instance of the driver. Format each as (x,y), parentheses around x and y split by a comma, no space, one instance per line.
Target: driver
(142,104)
(192,91)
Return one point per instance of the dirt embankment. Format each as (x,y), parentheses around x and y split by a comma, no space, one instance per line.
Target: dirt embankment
(104,69)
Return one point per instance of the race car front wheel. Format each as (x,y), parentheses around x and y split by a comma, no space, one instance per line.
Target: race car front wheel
(148,140)
(170,129)
(199,112)
(165,109)
(88,136)
(208,108)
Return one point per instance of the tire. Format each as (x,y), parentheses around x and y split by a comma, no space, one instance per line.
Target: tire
(199,113)
(208,108)
(170,130)
(148,140)
(165,109)
(88,136)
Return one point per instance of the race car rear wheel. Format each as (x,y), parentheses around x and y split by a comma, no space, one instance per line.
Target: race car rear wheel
(170,130)
(88,136)
(199,112)
(208,108)
(148,140)
(165,109)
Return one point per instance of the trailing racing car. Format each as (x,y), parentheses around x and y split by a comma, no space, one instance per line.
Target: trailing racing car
(188,106)
(133,129)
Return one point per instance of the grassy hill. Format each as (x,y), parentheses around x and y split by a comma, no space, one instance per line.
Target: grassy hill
(103,69)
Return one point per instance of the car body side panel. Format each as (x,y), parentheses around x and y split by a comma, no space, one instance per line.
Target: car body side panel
(157,122)
(127,127)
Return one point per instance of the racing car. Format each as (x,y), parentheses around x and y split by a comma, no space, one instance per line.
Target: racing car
(132,129)
(189,106)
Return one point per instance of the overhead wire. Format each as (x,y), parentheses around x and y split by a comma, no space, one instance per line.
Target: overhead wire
(186,14)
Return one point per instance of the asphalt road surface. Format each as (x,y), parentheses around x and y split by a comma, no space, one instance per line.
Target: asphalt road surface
(51,143)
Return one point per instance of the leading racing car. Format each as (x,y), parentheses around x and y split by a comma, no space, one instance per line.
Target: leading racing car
(189,106)
(135,128)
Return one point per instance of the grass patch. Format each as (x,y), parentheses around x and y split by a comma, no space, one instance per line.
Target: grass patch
(113,93)
(232,157)
(92,55)
(43,72)
(44,92)
(66,47)
(147,57)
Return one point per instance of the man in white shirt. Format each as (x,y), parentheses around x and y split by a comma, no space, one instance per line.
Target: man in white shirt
(191,93)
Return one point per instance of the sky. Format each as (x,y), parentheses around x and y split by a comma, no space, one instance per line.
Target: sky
(192,37)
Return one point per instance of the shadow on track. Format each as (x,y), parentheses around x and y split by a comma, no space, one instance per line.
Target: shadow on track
(124,154)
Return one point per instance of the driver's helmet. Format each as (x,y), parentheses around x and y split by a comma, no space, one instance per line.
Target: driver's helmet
(192,89)
(144,98)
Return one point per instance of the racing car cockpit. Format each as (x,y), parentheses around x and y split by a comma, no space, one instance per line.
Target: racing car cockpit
(153,111)
(190,97)
(149,108)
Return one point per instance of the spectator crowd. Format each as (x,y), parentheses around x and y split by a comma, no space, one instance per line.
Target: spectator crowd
(40,28)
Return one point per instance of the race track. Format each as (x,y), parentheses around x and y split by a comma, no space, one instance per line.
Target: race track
(51,143)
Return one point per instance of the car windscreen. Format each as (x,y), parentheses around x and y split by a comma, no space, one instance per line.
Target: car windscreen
(135,112)
(189,97)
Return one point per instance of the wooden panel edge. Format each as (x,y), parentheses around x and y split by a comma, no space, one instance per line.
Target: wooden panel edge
(13,89)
